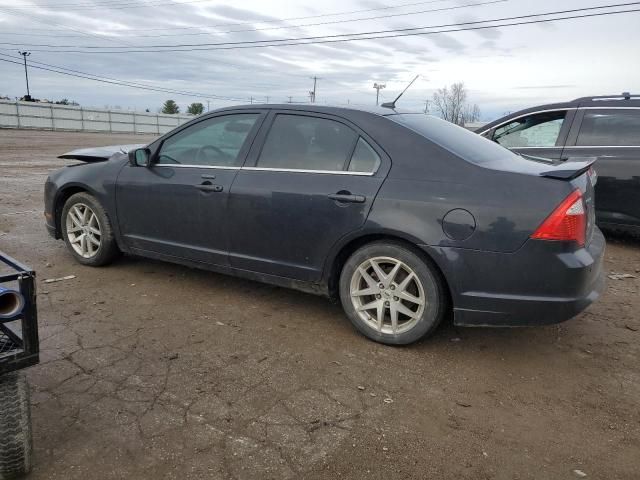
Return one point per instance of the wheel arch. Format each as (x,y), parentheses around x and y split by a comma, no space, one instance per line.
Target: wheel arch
(61,198)
(336,264)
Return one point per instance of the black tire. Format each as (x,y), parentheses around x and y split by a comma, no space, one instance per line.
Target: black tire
(433,287)
(108,249)
(15,426)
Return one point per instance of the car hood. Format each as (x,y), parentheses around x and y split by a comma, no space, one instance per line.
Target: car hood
(98,154)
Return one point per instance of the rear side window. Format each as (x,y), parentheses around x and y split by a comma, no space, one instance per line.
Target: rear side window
(538,130)
(612,128)
(300,142)
(365,158)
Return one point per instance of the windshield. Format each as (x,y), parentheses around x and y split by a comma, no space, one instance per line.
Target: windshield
(463,143)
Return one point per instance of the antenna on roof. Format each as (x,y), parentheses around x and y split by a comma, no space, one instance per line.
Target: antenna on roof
(393,104)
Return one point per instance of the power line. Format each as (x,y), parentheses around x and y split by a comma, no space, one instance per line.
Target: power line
(332,22)
(258,20)
(117,5)
(125,83)
(340,38)
(254,86)
(111,39)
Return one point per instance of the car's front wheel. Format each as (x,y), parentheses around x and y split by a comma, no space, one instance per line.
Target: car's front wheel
(87,231)
(391,294)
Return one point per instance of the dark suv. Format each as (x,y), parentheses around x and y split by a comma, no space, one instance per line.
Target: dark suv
(606,127)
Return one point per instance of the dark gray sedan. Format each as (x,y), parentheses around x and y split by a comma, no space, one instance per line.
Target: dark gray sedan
(402,216)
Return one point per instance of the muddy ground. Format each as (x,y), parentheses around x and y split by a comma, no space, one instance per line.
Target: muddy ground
(152,371)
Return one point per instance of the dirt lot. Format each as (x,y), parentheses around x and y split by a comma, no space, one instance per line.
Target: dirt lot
(156,371)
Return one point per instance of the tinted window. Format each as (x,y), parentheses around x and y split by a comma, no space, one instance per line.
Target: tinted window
(610,128)
(457,140)
(365,158)
(308,143)
(213,142)
(540,130)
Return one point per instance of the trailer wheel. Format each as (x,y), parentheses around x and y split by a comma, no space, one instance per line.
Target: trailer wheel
(15,426)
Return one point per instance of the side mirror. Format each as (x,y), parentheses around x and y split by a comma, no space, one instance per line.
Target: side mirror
(140,157)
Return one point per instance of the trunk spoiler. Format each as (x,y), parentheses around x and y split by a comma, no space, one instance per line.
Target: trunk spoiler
(98,154)
(572,168)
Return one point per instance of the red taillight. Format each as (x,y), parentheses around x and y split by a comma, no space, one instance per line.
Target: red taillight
(568,222)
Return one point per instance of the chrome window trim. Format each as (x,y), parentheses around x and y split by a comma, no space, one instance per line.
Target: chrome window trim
(268,169)
(183,165)
(609,108)
(533,148)
(300,170)
(602,146)
(574,146)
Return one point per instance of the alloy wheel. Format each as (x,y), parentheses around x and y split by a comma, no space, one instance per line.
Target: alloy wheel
(387,295)
(83,230)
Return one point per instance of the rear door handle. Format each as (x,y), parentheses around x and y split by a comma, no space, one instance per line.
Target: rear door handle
(347,198)
(208,187)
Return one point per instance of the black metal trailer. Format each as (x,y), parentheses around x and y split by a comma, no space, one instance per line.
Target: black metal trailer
(19,348)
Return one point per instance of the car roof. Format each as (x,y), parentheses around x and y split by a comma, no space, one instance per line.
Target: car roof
(313,107)
(607,101)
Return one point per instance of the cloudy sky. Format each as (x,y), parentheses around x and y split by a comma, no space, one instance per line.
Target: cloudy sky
(138,41)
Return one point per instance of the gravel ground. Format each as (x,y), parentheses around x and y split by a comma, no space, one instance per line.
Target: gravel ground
(152,370)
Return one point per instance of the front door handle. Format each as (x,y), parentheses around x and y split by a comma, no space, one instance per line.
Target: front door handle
(208,187)
(347,197)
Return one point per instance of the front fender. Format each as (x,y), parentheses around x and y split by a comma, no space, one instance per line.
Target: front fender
(98,179)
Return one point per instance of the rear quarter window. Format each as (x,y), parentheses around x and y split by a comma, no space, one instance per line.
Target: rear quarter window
(610,128)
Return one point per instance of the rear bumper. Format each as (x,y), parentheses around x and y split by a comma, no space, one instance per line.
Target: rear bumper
(542,283)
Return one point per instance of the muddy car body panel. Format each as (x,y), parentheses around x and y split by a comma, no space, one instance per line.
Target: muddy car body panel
(468,205)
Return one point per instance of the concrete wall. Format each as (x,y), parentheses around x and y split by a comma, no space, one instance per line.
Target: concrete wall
(47,116)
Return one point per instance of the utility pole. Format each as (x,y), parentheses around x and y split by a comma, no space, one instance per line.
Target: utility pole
(378,87)
(290,99)
(426,106)
(26,74)
(267,97)
(207,105)
(251,100)
(312,93)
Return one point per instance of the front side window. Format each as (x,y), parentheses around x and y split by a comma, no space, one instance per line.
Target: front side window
(610,128)
(213,142)
(299,142)
(538,130)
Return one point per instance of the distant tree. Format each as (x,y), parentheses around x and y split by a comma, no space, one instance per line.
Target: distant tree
(66,101)
(451,105)
(195,108)
(170,107)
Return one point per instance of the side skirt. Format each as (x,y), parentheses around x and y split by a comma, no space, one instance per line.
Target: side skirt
(307,287)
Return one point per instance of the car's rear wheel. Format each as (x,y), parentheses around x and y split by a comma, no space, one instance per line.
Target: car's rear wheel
(87,231)
(391,294)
